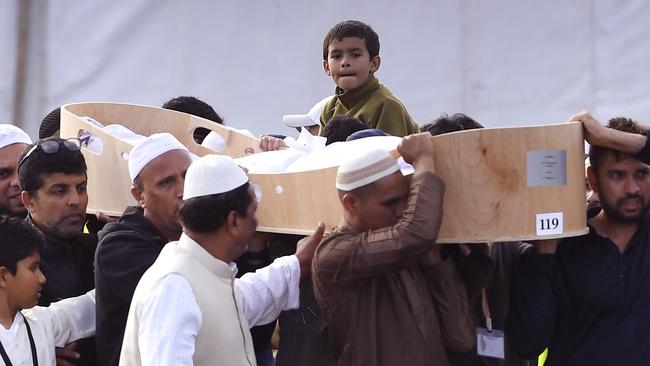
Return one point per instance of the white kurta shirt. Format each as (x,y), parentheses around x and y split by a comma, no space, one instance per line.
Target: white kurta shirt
(52,326)
(167,333)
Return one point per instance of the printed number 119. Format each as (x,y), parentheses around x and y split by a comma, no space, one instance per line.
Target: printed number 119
(549,224)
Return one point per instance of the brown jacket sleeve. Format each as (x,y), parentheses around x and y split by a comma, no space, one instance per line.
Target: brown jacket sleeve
(345,257)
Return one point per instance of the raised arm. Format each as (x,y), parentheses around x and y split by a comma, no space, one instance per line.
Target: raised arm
(599,135)
(71,319)
(346,256)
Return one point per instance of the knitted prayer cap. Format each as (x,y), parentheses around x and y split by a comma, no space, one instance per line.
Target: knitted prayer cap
(50,124)
(365,168)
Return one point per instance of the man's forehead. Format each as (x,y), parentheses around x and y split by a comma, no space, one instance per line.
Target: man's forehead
(11,153)
(614,161)
(52,179)
(170,161)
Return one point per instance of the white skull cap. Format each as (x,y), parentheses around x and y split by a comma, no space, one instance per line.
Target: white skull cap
(10,134)
(212,174)
(365,168)
(150,148)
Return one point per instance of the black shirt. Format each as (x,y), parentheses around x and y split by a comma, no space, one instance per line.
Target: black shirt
(589,303)
(127,248)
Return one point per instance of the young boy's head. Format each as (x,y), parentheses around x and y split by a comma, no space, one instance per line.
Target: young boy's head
(351,53)
(21,278)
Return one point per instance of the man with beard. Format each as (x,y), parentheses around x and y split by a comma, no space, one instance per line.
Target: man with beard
(127,248)
(13,142)
(52,175)
(587,298)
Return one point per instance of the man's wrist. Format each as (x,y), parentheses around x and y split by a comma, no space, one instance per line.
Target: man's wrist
(424,164)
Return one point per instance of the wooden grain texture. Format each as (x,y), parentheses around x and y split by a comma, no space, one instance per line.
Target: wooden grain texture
(294,203)
(485,172)
(487,196)
(109,183)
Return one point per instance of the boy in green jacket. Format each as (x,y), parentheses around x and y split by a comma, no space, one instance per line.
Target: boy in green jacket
(351,57)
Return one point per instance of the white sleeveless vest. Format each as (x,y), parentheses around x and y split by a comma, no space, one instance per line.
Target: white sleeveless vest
(224,337)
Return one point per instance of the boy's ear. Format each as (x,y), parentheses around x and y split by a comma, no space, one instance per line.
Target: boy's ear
(326,67)
(374,63)
(4,272)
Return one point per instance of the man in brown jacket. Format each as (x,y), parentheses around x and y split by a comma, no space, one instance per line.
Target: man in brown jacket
(389,297)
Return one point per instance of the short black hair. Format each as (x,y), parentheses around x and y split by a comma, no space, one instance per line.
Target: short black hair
(352,28)
(338,128)
(445,124)
(196,107)
(19,240)
(33,169)
(207,214)
(598,153)
(50,124)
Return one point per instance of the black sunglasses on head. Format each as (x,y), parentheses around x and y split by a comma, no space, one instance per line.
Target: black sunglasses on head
(52,147)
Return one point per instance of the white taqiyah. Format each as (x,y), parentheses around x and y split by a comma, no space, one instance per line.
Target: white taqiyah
(364,168)
(150,148)
(212,174)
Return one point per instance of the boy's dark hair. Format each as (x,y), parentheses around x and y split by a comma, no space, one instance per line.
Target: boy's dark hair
(340,127)
(352,28)
(598,153)
(208,214)
(196,107)
(445,124)
(19,240)
(50,124)
(33,168)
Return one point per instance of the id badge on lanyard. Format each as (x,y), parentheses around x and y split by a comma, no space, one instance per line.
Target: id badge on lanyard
(489,342)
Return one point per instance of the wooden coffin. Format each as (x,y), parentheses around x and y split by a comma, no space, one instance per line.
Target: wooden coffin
(109,184)
(503,184)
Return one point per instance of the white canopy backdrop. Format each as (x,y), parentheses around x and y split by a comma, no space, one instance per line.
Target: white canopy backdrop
(503,62)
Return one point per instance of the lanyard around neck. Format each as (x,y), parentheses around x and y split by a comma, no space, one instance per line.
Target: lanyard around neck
(4,355)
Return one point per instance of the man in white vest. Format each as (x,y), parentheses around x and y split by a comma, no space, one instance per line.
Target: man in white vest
(184,310)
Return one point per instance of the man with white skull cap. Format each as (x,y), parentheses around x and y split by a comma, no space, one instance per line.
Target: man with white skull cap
(157,167)
(379,278)
(13,142)
(187,308)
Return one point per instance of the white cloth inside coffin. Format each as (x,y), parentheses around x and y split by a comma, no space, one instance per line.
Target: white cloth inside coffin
(315,156)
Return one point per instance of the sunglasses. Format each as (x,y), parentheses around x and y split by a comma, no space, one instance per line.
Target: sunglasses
(52,147)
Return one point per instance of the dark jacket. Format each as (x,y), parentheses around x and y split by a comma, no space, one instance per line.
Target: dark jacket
(67,264)
(127,248)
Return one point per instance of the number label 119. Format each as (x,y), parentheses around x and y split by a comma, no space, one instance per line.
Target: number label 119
(549,223)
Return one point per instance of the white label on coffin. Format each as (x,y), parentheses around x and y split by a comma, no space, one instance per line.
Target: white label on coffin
(549,223)
(546,168)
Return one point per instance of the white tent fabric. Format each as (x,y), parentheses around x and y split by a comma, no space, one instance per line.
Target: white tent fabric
(503,62)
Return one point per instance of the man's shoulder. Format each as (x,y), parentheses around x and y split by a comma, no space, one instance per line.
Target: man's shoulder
(333,244)
(123,245)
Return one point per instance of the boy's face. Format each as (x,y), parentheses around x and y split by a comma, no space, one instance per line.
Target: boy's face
(23,288)
(349,63)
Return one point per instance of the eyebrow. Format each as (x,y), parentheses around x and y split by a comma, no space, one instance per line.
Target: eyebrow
(166,178)
(59,185)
